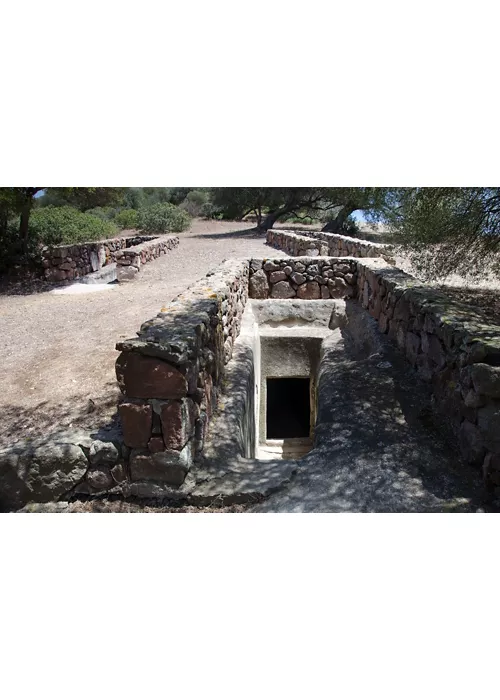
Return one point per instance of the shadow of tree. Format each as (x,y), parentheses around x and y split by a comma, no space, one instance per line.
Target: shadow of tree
(19,422)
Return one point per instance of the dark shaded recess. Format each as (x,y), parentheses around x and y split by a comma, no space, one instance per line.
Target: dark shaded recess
(288,412)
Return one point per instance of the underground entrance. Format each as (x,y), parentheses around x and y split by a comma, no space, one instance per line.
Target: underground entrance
(288,413)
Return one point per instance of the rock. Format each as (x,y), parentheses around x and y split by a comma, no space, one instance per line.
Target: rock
(258,286)
(41,474)
(277,276)
(282,290)
(156,444)
(309,290)
(169,467)
(473,400)
(119,473)
(178,420)
(486,379)
(144,377)
(299,267)
(432,347)
(471,443)
(125,273)
(270,266)
(99,479)
(103,453)
(298,278)
(491,468)
(488,420)
(136,420)
(412,347)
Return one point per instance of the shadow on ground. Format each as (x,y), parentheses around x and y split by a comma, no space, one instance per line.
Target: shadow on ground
(19,422)
(242,233)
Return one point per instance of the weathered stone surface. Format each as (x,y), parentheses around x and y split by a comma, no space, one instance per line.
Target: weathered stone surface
(156,444)
(412,346)
(277,276)
(144,377)
(486,379)
(178,421)
(103,453)
(282,290)
(471,443)
(119,473)
(126,273)
(309,290)
(39,474)
(136,420)
(488,420)
(169,467)
(99,479)
(258,287)
(298,278)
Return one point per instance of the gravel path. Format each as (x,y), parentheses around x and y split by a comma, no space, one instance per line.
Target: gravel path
(58,350)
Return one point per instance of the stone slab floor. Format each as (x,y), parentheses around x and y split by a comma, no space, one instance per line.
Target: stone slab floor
(58,350)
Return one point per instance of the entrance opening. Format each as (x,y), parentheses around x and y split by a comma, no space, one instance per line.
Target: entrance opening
(288,413)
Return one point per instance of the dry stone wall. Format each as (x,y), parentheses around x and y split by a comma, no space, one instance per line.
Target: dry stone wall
(295,244)
(332,244)
(451,346)
(70,262)
(129,260)
(171,375)
(303,278)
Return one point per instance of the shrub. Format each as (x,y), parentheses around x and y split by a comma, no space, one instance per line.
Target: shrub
(127,218)
(211,211)
(163,218)
(59,225)
(103,213)
(194,202)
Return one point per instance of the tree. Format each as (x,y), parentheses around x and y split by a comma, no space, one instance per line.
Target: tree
(446,229)
(20,201)
(280,202)
(83,198)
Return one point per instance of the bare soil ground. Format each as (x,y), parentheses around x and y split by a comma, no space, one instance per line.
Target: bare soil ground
(58,350)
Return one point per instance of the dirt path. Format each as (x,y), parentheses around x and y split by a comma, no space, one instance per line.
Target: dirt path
(58,351)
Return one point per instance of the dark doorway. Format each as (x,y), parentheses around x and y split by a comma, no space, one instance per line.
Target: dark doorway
(288,412)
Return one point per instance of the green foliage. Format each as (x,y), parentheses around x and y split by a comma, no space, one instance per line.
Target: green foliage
(271,204)
(82,198)
(447,230)
(195,201)
(141,197)
(127,218)
(163,218)
(103,213)
(65,225)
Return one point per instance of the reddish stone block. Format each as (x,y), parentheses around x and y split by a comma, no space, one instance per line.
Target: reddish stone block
(177,421)
(136,422)
(156,444)
(149,378)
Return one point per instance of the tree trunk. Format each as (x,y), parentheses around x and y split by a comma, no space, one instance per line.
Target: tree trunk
(337,225)
(23,225)
(273,217)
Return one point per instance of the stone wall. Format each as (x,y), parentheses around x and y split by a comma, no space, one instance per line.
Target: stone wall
(171,375)
(69,262)
(304,278)
(295,244)
(451,346)
(130,259)
(332,244)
